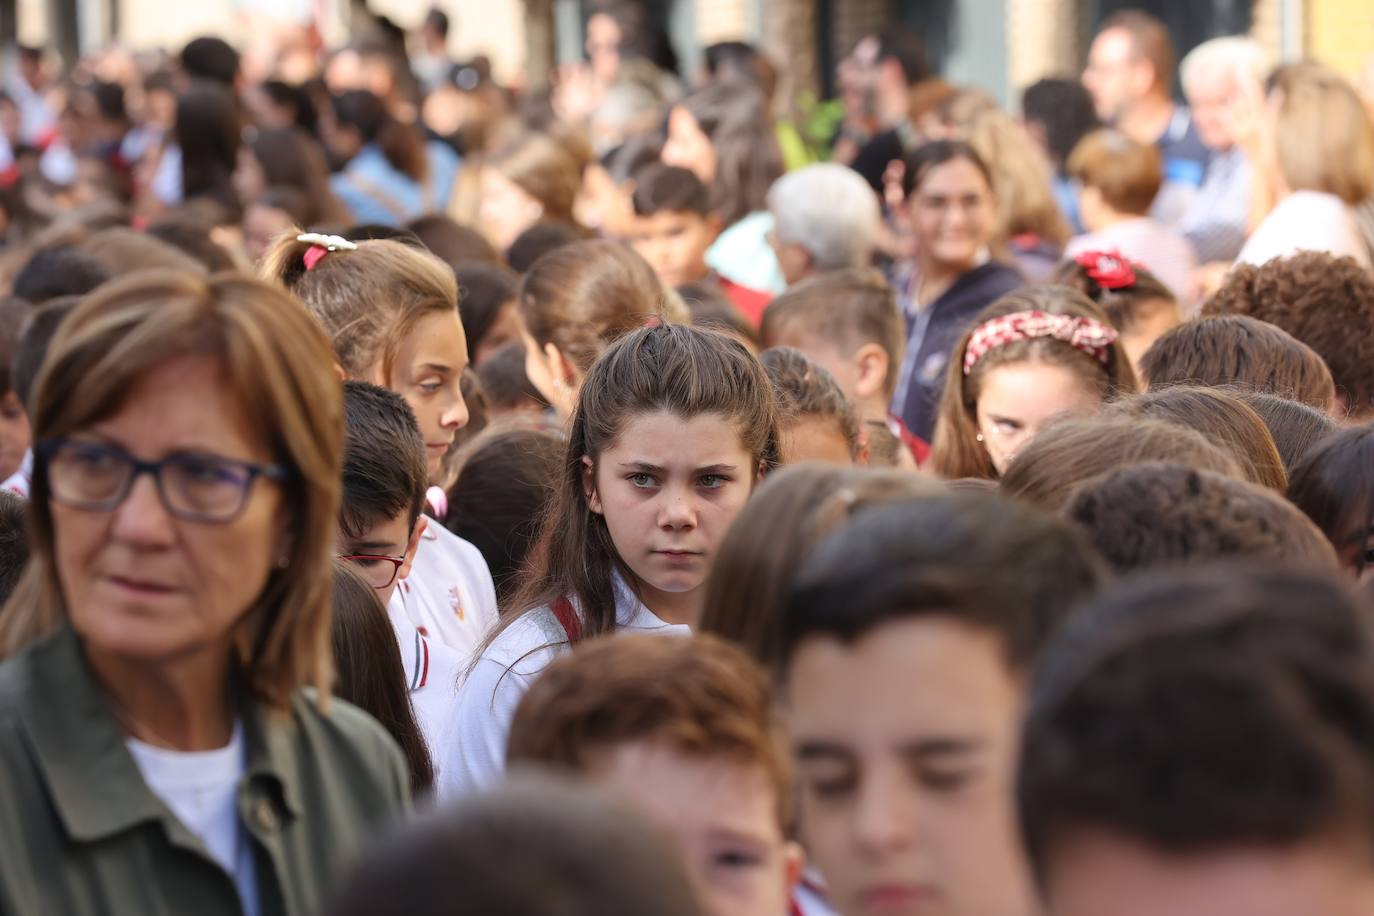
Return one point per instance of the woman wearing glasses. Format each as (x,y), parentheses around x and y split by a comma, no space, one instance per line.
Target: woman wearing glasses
(166,742)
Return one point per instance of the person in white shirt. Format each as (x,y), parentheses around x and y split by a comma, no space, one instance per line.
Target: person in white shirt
(380,531)
(1315,141)
(392,313)
(672,430)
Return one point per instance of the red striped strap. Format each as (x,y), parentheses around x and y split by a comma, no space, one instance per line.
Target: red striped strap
(567,618)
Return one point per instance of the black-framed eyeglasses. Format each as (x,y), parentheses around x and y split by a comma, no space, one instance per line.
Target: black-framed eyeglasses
(377,569)
(193,486)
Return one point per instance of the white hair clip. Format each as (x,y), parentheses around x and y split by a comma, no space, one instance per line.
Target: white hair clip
(327,242)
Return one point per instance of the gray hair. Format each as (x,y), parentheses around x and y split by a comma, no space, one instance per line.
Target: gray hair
(1233,54)
(829,210)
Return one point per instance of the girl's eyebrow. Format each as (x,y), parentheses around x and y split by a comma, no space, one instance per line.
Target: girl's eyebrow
(646,468)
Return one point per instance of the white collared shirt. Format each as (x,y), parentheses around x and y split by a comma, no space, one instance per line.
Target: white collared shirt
(432,672)
(491,693)
(449,595)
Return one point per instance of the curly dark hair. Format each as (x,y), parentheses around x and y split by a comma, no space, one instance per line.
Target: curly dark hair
(1324,301)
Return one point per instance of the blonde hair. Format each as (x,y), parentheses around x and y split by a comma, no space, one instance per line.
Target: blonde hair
(366,300)
(1325,141)
(278,363)
(1128,174)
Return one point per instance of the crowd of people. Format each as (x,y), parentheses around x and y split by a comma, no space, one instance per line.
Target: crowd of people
(423,495)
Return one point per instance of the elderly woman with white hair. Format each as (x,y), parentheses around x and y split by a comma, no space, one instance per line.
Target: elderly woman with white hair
(825,217)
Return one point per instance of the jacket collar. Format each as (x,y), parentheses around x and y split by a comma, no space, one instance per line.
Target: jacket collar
(96,788)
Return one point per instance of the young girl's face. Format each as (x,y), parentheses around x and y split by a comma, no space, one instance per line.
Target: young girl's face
(428,373)
(953,214)
(506,209)
(689,147)
(1020,399)
(668,488)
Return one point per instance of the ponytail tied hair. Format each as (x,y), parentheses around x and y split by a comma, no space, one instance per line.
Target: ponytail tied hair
(321,245)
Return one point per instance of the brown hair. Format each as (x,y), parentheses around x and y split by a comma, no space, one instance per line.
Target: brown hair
(956,451)
(1223,419)
(543,169)
(1149,40)
(122,249)
(803,389)
(367,300)
(699,694)
(674,368)
(583,296)
(1326,302)
(1295,426)
(793,510)
(370,674)
(1128,174)
(1240,350)
(1154,515)
(279,364)
(1334,486)
(1125,306)
(748,159)
(850,307)
(1054,463)
(1324,137)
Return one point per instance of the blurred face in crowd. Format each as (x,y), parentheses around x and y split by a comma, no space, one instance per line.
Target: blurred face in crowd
(373,551)
(1098,872)
(860,371)
(815,439)
(668,488)
(143,586)
(15,435)
(506,209)
(428,373)
(952,215)
(724,814)
(1115,76)
(1018,400)
(674,243)
(1210,97)
(603,47)
(906,742)
(250,179)
(689,147)
(504,329)
(261,226)
(601,204)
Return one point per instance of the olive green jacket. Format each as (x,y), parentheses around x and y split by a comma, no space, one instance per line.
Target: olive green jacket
(80,833)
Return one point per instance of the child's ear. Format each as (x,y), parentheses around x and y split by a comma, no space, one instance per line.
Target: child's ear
(589,485)
(413,546)
(872,364)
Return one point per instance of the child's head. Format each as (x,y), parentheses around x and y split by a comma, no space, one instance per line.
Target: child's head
(1326,302)
(1296,427)
(532,178)
(1334,485)
(64,270)
(709,308)
(537,241)
(1031,357)
(391,312)
(487,293)
(683,728)
(1156,515)
(368,671)
(32,346)
(793,509)
(1119,177)
(673,224)
(15,435)
(14,541)
(273,214)
(503,483)
(1053,465)
(848,322)
(673,428)
(907,639)
(453,242)
(575,302)
(384,483)
(825,217)
(506,387)
(1223,419)
(816,420)
(1236,773)
(1132,298)
(1243,351)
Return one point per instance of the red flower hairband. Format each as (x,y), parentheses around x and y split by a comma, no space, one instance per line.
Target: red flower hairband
(1108,269)
(1092,337)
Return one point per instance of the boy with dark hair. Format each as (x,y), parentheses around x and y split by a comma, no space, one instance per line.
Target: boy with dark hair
(14,542)
(1203,743)
(65,270)
(30,348)
(907,641)
(1154,515)
(673,225)
(381,521)
(683,728)
(848,322)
